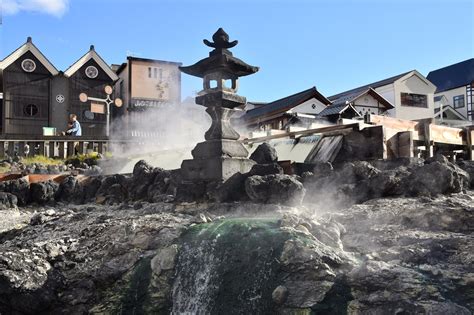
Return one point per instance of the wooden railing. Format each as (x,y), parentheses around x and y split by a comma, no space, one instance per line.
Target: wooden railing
(51,146)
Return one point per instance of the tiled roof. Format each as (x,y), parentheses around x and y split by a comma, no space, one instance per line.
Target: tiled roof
(286,103)
(453,76)
(350,97)
(374,85)
(336,109)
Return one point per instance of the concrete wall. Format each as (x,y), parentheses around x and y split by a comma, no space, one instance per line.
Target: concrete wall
(388,92)
(415,85)
(307,107)
(166,86)
(367,104)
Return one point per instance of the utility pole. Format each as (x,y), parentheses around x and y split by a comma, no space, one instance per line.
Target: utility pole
(83,97)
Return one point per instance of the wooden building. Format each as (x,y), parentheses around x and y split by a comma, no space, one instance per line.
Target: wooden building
(297,109)
(34,94)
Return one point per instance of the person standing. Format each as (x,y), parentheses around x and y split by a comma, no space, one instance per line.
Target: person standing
(75,129)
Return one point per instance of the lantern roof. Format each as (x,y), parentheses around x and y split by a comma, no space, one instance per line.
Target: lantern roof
(220,59)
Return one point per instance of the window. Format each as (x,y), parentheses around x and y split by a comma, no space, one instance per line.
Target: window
(155,73)
(30,110)
(470,102)
(149,72)
(414,100)
(161,74)
(458,101)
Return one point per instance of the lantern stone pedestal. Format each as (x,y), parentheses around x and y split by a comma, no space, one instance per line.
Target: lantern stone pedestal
(221,155)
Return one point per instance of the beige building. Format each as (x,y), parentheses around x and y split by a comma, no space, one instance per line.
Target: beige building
(146,84)
(410,93)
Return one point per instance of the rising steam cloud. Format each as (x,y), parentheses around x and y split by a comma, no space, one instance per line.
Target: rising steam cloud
(154,131)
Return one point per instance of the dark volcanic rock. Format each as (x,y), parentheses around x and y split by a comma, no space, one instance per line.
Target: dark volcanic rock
(265,169)
(70,190)
(7,200)
(280,189)
(112,189)
(43,192)
(439,176)
(264,154)
(468,167)
(143,176)
(18,187)
(233,189)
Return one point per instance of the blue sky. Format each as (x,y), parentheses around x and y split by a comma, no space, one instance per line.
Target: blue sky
(333,45)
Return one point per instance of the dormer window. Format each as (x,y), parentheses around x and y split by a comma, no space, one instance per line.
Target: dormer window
(92,72)
(28,65)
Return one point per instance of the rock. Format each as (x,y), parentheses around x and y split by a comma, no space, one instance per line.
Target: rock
(7,201)
(70,190)
(282,189)
(38,218)
(18,187)
(264,154)
(160,184)
(265,169)
(448,179)
(164,260)
(188,191)
(280,294)
(233,189)
(468,167)
(356,171)
(112,189)
(43,192)
(142,177)
(90,188)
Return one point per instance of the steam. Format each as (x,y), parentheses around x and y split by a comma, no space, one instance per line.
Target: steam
(163,136)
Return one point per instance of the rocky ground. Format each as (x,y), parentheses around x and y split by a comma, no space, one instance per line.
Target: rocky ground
(359,238)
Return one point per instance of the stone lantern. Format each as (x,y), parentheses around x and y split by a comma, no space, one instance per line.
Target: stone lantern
(221,155)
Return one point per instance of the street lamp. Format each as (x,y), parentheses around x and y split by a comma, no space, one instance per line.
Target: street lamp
(107,101)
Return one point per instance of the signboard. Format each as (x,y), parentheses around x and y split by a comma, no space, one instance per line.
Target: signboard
(98,108)
(144,103)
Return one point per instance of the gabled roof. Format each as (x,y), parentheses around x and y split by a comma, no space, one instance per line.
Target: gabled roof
(351,97)
(91,54)
(453,76)
(28,46)
(286,103)
(336,109)
(373,85)
(449,109)
(441,98)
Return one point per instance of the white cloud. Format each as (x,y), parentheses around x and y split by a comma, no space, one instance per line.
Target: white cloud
(53,7)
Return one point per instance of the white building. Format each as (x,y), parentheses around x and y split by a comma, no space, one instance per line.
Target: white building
(410,94)
(455,87)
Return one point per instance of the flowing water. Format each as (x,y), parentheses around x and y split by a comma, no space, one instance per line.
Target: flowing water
(228,265)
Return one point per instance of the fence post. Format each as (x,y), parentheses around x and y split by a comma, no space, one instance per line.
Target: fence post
(61,150)
(70,149)
(21,148)
(52,148)
(2,148)
(11,148)
(80,148)
(100,147)
(41,149)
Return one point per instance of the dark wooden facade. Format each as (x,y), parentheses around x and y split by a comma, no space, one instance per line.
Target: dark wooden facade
(93,124)
(26,98)
(44,97)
